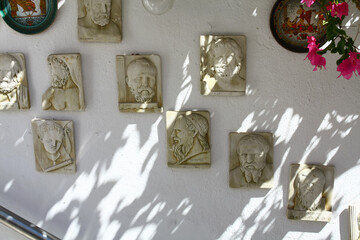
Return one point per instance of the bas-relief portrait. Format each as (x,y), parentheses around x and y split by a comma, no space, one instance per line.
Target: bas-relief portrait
(223,65)
(14,92)
(251,160)
(99,20)
(139,83)
(354,220)
(310,192)
(54,146)
(188,137)
(66,91)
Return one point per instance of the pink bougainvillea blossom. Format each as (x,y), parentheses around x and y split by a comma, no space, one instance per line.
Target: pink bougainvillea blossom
(349,66)
(315,59)
(340,9)
(308,2)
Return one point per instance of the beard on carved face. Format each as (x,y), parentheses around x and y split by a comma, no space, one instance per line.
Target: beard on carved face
(251,174)
(182,147)
(143,94)
(7,87)
(101,19)
(310,200)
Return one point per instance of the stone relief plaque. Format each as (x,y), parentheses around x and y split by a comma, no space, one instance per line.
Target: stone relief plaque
(354,220)
(54,146)
(223,65)
(251,160)
(14,91)
(66,91)
(99,20)
(188,138)
(310,192)
(139,83)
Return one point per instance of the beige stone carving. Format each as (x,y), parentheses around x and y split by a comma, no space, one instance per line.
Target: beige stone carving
(54,146)
(139,83)
(251,160)
(310,192)
(188,137)
(14,92)
(354,220)
(66,91)
(99,20)
(223,65)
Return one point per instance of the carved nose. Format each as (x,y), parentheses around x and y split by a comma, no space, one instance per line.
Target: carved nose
(144,82)
(250,158)
(103,8)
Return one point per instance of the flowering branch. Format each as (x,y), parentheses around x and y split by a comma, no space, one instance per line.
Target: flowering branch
(337,39)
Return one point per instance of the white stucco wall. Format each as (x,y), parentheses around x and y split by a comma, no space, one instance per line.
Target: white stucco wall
(123,188)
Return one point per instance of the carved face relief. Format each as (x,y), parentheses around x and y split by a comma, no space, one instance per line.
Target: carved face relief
(141,79)
(251,160)
(252,151)
(9,67)
(227,59)
(66,91)
(100,11)
(310,192)
(183,138)
(52,141)
(59,72)
(309,186)
(188,139)
(54,145)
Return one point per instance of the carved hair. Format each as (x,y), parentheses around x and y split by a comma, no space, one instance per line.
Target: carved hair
(138,66)
(199,124)
(231,45)
(256,139)
(88,2)
(64,69)
(49,126)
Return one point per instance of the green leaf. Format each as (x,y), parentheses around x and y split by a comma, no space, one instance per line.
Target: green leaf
(321,52)
(334,50)
(340,31)
(341,46)
(331,31)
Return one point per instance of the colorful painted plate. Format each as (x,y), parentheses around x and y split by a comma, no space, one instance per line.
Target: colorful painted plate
(292,22)
(28,16)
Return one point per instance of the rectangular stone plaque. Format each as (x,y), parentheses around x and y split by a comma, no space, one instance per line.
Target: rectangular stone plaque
(139,83)
(223,65)
(188,138)
(310,192)
(54,146)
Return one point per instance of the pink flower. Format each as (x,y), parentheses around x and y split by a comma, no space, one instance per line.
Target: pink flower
(349,66)
(340,9)
(315,59)
(308,2)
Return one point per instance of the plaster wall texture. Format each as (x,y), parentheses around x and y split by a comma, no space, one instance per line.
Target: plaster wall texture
(123,188)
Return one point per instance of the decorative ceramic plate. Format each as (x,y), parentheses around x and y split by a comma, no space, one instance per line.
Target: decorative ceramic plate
(292,22)
(28,16)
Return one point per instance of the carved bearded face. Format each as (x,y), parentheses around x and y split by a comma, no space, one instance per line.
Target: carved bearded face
(310,186)
(227,60)
(8,78)
(100,11)
(252,161)
(52,141)
(142,79)
(183,138)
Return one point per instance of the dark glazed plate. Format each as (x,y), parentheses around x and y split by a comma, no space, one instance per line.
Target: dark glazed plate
(28,16)
(292,22)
